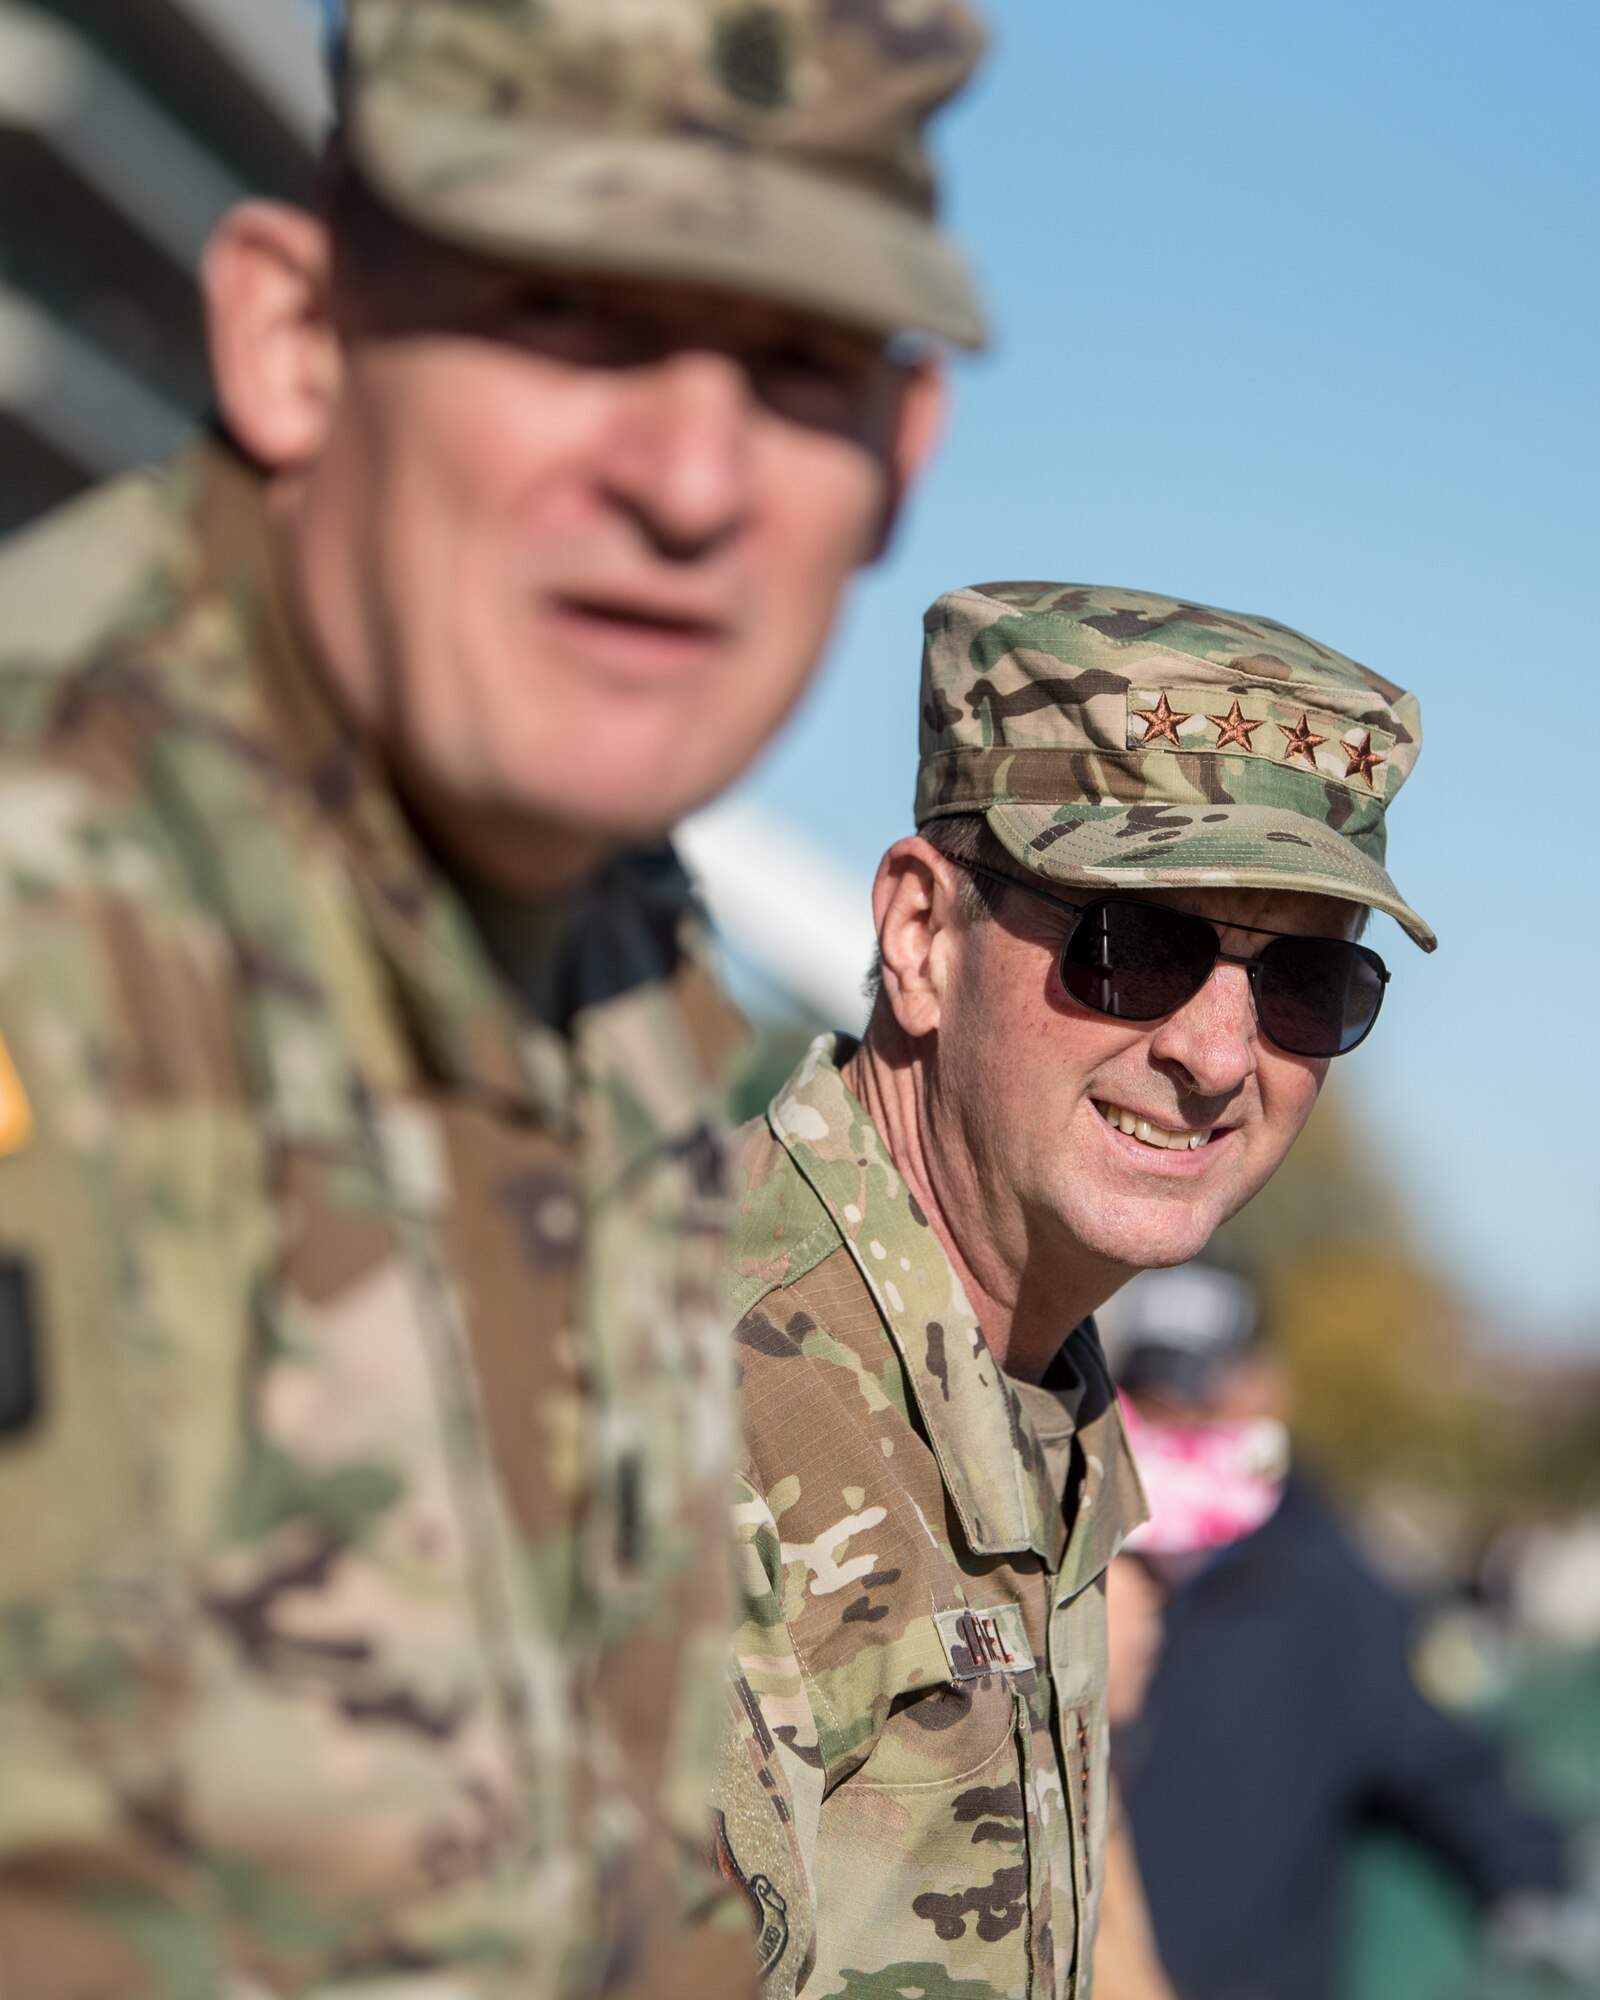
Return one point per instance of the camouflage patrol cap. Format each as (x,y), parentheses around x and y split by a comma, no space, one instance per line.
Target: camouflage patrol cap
(770,147)
(1114,739)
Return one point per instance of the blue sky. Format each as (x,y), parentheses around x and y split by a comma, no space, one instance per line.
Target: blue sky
(1299,313)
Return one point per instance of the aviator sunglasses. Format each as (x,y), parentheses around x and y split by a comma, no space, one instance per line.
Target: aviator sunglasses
(1313,996)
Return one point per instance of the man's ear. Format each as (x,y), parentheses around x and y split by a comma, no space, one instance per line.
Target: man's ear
(921,407)
(275,357)
(913,907)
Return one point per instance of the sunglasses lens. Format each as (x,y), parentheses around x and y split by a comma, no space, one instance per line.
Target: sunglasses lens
(1137,961)
(1318,996)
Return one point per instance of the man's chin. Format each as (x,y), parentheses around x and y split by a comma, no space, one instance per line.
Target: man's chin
(593,807)
(620,801)
(613,821)
(1151,1235)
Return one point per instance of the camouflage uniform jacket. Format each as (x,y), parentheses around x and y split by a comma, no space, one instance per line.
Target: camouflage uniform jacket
(363,1594)
(914,1791)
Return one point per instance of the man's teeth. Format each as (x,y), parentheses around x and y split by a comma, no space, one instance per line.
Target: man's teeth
(1152,1135)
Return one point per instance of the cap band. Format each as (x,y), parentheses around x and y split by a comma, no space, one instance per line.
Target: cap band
(1109,787)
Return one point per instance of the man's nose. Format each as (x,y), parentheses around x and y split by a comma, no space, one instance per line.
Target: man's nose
(1212,1038)
(680,459)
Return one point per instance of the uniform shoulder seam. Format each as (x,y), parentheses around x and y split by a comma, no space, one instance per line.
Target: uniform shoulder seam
(68,580)
(802,1258)
(776,1198)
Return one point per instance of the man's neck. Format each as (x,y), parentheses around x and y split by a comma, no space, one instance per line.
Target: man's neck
(511,854)
(1027,1296)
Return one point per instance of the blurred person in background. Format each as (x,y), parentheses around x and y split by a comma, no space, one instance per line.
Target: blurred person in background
(1116,961)
(1127,1964)
(1203,1491)
(1283,1714)
(364,1419)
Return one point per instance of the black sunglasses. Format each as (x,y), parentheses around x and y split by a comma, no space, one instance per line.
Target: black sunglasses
(1314,996)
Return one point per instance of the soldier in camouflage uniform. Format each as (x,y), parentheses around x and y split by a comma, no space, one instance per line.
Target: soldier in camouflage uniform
(913,1791)
(365,1422)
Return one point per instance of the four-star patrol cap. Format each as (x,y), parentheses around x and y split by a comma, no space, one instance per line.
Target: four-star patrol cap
(772,147)
(1116,739)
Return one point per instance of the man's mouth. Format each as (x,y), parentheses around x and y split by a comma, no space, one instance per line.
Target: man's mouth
(1151,1134)
(640,639)
(675,617)
(644,616)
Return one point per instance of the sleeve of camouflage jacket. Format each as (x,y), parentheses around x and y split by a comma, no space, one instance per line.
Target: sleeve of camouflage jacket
(121,1333)
(770,1781)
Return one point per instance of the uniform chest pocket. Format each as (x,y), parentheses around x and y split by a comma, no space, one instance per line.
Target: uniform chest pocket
(957,1708)
(923,1853)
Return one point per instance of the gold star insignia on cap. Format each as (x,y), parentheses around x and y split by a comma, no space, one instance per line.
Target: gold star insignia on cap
(1301,742)
(1363,762)
(1234,728)
(1162,720)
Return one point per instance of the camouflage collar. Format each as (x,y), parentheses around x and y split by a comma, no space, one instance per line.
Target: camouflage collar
(989,1455)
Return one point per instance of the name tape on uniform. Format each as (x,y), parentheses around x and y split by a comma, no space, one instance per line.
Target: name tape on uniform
(984,1642)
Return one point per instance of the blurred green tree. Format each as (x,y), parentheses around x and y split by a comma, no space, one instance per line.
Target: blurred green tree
(1394,1380)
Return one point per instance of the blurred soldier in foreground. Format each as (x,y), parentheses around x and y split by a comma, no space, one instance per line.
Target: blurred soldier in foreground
(364,1433)
(1115,964)
(1284,1715)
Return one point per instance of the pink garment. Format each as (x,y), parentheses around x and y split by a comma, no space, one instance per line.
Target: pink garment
(1207,1484)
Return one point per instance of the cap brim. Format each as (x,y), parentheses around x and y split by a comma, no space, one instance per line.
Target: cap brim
(1240,847)
(683,209)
